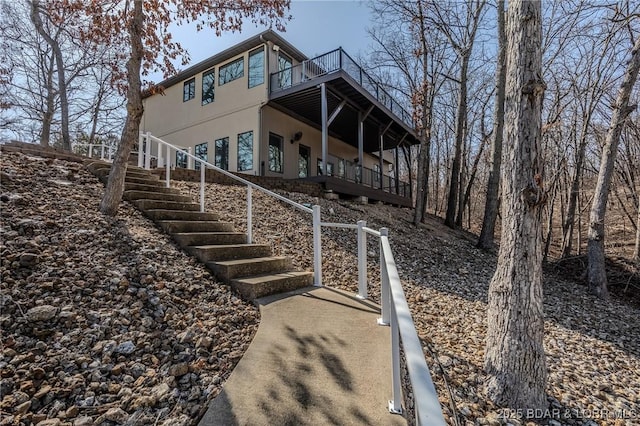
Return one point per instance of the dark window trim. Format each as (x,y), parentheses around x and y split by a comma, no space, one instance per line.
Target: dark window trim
(253,53)
(221,81)
(189,90)
(207,73)
(280,150)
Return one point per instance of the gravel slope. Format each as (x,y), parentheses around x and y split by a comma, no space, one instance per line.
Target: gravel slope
(103,321)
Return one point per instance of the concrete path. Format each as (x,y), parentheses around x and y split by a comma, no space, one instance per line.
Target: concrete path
(318,358)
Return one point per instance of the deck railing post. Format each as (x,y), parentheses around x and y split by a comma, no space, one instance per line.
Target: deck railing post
(140,149)
(202,170)
(249,217)
(385,292)
(395,405)
(147,152)
(362,260)
(317,247)
(167,166)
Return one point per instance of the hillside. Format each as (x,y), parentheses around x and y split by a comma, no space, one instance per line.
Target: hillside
(131,329)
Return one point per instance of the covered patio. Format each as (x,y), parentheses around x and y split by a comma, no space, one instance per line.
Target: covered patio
(333,93)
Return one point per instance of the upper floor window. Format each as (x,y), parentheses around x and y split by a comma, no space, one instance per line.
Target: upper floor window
(256,67)
(189,90)
(201,152)
(231,71)
(245,151)
(222,153)
(208,86)
(275,153)
(284,70)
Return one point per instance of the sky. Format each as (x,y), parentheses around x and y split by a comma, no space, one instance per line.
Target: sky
(316,27)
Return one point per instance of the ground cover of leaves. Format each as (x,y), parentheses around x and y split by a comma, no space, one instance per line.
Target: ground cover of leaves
(592,347)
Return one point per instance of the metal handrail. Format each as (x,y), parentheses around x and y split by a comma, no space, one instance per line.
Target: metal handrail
(394,308)
(332,61)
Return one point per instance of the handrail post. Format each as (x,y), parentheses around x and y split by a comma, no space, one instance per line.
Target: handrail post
(189,159)
(160,159)
(249,216)
(102,151)
(167,166)
(140,149)
(395,405)
(202,170)
(147,152)
(317,247)
(362,260)
(385,292)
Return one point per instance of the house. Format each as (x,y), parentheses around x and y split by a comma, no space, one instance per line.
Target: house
(264,108)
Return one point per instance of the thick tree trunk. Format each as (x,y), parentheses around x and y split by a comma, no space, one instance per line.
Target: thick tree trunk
(486,240)
(115,185)
(454,187)
(596,273)
(515,359)
(62,82)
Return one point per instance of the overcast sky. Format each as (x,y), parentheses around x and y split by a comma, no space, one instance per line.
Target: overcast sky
(316,27)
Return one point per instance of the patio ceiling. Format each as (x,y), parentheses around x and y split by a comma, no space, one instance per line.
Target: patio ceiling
(303,101)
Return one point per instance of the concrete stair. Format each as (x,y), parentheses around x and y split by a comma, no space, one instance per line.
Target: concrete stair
(249,268)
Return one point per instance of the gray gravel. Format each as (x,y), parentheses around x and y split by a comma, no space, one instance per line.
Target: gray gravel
(103,321)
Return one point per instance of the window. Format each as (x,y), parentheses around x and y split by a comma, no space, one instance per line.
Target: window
(284,70)
(376,172)
(275,153)
(201,152)
(222,153)
(189,90)
(231,71)
(208,80)
(256,67)
(329,168)
(245,151)
(181,159)
(304,155)
(341,168)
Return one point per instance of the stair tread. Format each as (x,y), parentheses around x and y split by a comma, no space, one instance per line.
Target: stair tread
(255,279)
(189,221)
(245,261)
(227,246)
(209,233)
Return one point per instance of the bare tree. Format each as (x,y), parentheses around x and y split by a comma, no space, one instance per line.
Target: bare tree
(486,239)
(515,359)
(596,273)
(461,37)
(36,17)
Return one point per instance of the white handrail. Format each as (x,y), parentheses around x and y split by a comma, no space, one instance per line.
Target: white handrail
(427,406)
(232,176)
(395,310)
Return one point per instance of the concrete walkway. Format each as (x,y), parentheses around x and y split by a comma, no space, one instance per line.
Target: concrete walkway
(318,358)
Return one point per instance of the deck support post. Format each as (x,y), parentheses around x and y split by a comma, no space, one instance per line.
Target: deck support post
(360,138)
(396,170)
(325,128)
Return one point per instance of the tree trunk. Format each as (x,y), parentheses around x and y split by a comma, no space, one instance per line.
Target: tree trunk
(568,226)
(596,273)
(130,133)
(47,117)
(486,240)
(515,359)
(636,249)
(452,200)
(62,82)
